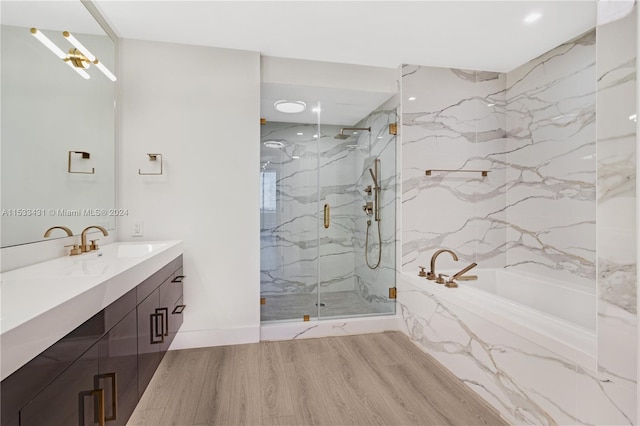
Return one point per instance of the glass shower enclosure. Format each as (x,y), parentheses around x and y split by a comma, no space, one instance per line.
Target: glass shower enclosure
(328,214)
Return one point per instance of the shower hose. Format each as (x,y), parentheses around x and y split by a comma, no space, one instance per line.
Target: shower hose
(366,246)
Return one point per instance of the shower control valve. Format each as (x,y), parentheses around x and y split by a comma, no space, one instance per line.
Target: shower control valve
(368,208)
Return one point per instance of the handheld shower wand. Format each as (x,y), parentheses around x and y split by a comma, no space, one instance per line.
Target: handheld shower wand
(376,189)
(376,210)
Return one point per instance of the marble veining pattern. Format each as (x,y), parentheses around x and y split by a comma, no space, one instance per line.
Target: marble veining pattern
(457,121)
(525,382)
(535,129)
(298,179)
(551,164)
(616,200)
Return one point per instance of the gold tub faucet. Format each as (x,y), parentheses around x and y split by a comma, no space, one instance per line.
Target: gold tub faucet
(431,275)
(83,238)
(459,275)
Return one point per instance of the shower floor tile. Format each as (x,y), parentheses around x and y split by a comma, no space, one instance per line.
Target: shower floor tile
(296,306)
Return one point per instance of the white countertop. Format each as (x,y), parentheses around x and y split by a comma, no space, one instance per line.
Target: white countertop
(42,303)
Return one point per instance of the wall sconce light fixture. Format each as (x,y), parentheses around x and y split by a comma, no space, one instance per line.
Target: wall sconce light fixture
(79,57)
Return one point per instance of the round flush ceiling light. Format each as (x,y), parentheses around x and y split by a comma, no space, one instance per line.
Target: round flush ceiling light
(273,144)
(290,107)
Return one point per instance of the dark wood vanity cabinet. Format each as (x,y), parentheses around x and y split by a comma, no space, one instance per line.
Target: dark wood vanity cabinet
(100,384)
(99,370)
(159,318)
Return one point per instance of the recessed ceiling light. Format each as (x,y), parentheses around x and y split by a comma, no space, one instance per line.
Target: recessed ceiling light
(300,133)
(412,98)
(355,133)
(273,144)
(290,107)
(295,157)
(316,109)
(532,17)
(380,137)
(315,136)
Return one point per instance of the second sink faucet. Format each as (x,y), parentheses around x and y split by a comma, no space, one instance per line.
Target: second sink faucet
(83,237)
(431,275)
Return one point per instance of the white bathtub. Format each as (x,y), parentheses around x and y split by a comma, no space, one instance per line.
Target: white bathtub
(558,316)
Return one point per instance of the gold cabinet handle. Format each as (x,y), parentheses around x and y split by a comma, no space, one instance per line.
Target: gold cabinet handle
(165,321)
(154,320)
(114,393)
(99,393)
(327,216)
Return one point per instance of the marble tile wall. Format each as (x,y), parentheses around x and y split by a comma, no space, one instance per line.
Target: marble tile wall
(289,235)
(550,186)
(616,201)
(535,215)
(374,284)
(525,382)
(456,121)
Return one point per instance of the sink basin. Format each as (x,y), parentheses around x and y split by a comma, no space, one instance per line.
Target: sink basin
(138,250)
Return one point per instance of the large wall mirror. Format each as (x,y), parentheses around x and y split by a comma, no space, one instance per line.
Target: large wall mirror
(58,126)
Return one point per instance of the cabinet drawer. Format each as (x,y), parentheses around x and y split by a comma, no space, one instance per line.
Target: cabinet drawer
(154,281)
(26,382)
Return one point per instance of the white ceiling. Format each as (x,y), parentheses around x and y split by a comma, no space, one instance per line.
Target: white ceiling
(482,35)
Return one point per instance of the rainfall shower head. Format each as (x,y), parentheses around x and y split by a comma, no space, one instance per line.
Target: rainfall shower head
(341,135)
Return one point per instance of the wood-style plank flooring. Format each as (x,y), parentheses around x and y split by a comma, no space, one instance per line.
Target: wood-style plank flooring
(371,379)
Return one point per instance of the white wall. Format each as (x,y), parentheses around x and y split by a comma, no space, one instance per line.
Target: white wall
(199,108)
(303,72)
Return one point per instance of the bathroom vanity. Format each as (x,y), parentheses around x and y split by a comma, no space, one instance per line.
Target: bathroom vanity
(83,335)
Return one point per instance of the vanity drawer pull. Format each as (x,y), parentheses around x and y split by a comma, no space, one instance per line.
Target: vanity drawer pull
(178,279)
(114,393)
(98,414)
(153,321)
(165,321)
(179,309)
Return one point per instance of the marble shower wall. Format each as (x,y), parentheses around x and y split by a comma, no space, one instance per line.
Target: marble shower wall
(373,284)
(456,121)
(288,224)
(289,232)
(616,169)
(551,170)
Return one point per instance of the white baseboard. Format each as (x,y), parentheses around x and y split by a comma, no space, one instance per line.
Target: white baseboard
(190,339)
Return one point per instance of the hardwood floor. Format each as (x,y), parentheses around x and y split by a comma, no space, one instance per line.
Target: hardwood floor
(372,379)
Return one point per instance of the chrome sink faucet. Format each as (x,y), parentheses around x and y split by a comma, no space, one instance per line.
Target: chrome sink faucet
(83,238)
(431,275)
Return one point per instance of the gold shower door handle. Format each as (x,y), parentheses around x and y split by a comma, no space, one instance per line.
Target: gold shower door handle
(327,216)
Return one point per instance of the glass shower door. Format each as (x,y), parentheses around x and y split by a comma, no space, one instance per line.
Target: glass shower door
(288,221)
(328,208)
(357,244)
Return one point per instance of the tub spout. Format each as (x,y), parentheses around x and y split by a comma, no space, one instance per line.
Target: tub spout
(459,275)
(431,275)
